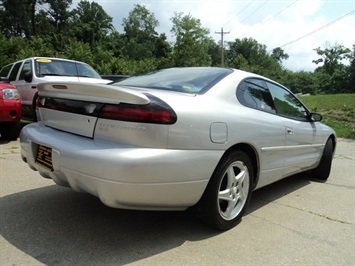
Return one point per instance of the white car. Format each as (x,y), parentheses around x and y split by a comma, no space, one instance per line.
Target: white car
(26,74)
(177,138)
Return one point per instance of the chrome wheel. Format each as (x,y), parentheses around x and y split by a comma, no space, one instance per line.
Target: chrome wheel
(229,191)
(233,190)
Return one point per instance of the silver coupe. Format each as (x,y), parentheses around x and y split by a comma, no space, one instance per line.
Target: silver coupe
(201,137)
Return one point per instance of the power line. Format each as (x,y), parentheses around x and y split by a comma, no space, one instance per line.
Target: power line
(241,11)
(314,31)
(254,11)
(271,17)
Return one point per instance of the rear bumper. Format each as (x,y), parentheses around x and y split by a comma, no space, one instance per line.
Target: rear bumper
(122,176)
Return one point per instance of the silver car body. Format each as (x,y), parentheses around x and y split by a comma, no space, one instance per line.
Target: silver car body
(164,166)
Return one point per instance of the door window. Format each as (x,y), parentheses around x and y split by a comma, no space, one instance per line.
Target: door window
(286,104)
(14,71)
(25,69)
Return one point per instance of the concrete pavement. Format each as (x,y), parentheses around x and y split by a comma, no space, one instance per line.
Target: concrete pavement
(297,221)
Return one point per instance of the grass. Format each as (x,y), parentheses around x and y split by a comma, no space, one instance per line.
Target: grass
(338,112)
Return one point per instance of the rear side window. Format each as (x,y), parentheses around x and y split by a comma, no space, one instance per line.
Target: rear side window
(14,71)
(254,94)
(5,71)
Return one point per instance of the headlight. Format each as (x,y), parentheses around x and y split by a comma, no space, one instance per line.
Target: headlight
(10,94)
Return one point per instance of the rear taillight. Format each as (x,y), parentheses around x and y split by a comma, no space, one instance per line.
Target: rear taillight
(70,106)
(156,112)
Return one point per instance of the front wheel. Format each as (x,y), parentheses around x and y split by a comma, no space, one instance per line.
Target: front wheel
(323,169)
(228,192)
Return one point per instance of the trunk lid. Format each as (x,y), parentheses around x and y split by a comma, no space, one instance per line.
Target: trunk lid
(74,107)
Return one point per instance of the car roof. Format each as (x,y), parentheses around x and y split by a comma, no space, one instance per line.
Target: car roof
(50,58)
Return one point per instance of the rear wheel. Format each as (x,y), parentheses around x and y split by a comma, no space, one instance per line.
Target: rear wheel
(323,169)
(228,192)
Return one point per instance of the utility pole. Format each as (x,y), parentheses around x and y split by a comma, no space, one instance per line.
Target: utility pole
(222,49)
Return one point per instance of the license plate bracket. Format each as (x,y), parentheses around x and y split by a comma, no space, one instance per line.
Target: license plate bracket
(44,157)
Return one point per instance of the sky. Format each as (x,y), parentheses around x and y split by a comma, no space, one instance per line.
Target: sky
(297,26)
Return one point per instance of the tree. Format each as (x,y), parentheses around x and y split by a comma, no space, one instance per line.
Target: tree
(59,13)
(331,57)
(300,82)
(278,54)
(192,41)
(351,71)
(141,39)
(338,73)
(17,17)
(58,17)
(249,55)
(90,23)
(214,51)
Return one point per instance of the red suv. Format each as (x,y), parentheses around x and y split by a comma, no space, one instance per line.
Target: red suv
(10,111)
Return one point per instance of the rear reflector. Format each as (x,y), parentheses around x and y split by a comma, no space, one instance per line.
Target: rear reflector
(156,112)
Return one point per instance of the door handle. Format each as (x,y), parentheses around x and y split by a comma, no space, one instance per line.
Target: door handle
(289,131)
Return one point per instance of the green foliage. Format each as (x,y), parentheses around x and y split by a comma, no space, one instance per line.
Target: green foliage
(334,73)
(90,23)
(132,67)
(278,54)
(299,82)
(140,40)
(79,51)
(338,111)
(249,55)
(192,42)
(86,33)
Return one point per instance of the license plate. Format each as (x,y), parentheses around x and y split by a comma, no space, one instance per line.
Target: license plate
(44,157)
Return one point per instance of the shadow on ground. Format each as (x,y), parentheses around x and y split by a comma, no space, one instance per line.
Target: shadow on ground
(56,225)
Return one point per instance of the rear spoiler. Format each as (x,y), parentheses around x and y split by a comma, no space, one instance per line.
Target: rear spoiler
(101,93)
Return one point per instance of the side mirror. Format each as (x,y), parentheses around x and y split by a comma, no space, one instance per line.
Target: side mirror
(314,117)
(28,76)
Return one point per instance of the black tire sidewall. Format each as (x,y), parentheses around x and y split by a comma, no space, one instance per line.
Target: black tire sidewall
(323,169)
(208,206)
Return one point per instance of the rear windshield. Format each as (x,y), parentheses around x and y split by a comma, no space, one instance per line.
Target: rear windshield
(53,67)
(195,80)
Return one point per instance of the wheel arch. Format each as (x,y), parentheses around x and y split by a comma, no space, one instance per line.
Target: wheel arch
(252,154)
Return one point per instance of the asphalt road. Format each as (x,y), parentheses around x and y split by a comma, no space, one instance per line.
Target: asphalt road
(297,221)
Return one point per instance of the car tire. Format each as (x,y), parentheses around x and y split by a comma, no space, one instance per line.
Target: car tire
(33,107)
(11,130)
(322,171)
(228,193)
